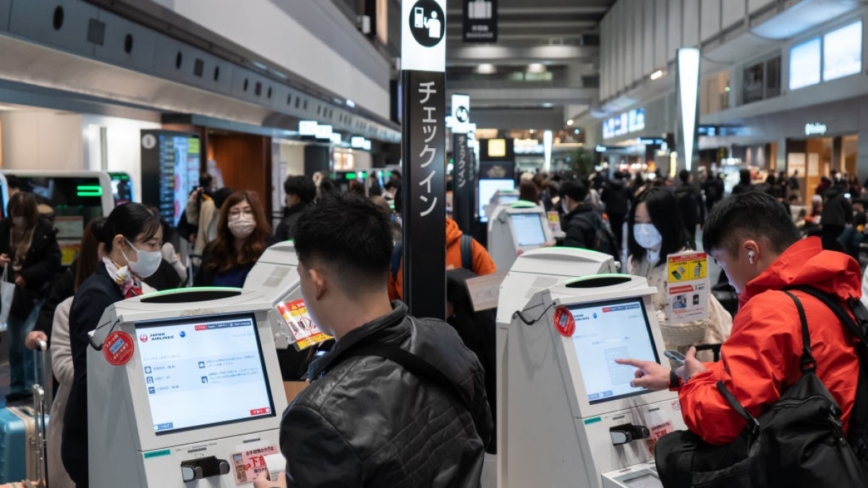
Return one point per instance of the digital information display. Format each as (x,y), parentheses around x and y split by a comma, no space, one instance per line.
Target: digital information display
(529,229)
(179,174)
(606,331)
(842,52)
(487,189)
(805,64)
(203,373)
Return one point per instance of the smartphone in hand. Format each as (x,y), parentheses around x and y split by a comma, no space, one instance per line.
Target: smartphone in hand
(675,356)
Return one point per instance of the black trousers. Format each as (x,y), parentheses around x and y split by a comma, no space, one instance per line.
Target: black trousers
(829,234)
(617,223)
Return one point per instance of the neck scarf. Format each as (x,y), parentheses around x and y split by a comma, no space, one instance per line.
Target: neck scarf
(129,284)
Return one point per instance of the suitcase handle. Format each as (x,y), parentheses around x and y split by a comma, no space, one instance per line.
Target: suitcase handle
(42,397)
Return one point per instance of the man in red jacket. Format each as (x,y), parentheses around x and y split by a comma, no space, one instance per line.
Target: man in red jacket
(757,245)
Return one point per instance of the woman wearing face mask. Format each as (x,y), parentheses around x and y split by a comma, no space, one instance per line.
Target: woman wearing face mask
(131,239)
(654,232)
(243,234)
(31,256)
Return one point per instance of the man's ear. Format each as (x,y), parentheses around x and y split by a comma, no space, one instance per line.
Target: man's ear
(320,282)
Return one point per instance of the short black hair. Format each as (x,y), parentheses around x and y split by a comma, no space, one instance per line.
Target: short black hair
(303,186)
(131,221)
(749,215)
(574,189)
(351,237)
(684,175)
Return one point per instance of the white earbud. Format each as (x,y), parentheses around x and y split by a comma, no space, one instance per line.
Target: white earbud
(750,256)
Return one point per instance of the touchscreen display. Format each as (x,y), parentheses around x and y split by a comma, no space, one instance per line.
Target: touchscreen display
(204,372)
(529,230)
(606,331)
(487,189)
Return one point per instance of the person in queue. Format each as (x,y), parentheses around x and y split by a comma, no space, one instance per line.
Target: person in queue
(758,247)
(528,192)
(89,257)
(655,231)
(31,257)
(300,193)
(243,234)
(365,420)
(131,238)
(581,220)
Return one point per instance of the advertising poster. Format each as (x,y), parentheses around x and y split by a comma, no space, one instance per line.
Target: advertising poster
(688,287)
(250,463)
(302,331)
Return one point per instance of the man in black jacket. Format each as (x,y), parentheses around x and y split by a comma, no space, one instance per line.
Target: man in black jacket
(366,420)
(837,213)
(300,192)
(581,220)
(688,203)
(616,197)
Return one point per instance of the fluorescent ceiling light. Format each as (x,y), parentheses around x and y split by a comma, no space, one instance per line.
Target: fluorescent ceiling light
(688,88)
(536,68)
(657,74)
(570,122)
(548,105)
(486,69)
(351,103)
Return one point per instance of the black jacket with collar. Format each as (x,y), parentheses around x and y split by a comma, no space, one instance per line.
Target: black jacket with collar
(286,229)
(39,268)
(369,422)
(581,226)
(96,294)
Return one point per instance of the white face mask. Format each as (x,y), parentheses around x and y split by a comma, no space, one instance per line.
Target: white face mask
(241,226)
(148,262)
(647,236)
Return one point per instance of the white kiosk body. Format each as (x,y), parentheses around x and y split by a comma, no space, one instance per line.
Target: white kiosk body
(275,277)
(500,197)
(202,387)
(515,229)
(567,415)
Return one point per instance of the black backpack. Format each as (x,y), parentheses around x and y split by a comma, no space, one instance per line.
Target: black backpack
(601,237)
(798,442)
(466,255)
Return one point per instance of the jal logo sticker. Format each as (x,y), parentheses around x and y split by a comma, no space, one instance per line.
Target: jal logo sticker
(564,321)
(426,23)
(118,348)
(143,337)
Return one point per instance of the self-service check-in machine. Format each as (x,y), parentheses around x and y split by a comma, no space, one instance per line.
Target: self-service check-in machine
(500,197)
(515,229)
(185,391)
(567,415)
(275,277)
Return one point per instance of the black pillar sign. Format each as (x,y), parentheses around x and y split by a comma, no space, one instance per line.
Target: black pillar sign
(463,183)
(423,147)
(480,20)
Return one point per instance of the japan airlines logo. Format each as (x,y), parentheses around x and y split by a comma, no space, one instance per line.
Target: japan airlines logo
(143,337)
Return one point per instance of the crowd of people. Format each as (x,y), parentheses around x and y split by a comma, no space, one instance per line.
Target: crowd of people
(351,264)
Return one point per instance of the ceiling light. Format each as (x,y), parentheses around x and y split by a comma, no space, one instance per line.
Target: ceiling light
(657,74)
(727,89)
(532,131)
(577,131)
(486,69)
(536,68)
(570,122)
(548,105)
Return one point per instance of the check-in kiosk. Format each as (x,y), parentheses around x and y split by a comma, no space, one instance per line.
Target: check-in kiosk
(515,229)
(185,391)
(500,197)
(567,414)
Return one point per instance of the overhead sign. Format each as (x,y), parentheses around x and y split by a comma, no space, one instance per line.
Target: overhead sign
(480,21)
(422,35)
(357,142)
(307,128)
(624,124)
(336,138)
(815,129)
(324,132)
(460,114)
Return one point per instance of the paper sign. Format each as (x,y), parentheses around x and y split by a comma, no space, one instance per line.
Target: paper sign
(687,287)
(69,227)
(118,348)
(69,250)
(485,290)
(249,463)
(554,222)
(302,331)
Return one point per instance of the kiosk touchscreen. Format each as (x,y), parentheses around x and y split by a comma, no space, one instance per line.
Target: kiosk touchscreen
(185,391)
(515,229)
(568,415)
(488,194)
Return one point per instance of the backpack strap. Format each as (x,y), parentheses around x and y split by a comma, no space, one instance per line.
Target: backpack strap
(467,252)
(834,304)
(807,362)
(397,256)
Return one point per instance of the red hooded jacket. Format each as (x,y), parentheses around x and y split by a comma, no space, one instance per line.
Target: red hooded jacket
(761,358)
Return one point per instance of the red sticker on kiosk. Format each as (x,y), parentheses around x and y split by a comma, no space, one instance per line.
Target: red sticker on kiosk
(564,321)
(118,348)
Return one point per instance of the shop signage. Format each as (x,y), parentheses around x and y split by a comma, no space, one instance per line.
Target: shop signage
(626,123)
(460,114)
(815,129)
(307,128)
(357,142)
(423,147)
(480,21)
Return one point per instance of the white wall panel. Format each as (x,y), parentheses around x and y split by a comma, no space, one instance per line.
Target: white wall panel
(710,24)
(661,19)
(754,5)
(628,13)
(605,62)
(122,145)
(638,39)
(42,140)
(733,12)
(690,20)
(648,38)
(673,41)
(622,53)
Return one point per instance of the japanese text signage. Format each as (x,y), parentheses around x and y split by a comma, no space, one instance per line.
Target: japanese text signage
(480,21)
(687,287)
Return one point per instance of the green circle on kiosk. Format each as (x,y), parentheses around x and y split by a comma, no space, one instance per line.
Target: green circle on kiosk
(118,348)
(564,321)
